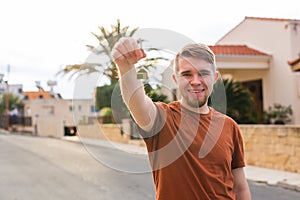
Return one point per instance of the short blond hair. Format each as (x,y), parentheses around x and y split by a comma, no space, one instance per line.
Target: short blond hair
(200,51)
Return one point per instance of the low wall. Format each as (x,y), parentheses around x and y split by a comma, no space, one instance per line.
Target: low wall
(272,146)
(110,132)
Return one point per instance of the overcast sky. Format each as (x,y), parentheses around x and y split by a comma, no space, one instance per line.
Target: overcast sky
(39,37)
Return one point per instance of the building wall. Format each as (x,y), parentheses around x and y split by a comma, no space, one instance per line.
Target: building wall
(280,84)
(15,89)
(294,29)
(50,116)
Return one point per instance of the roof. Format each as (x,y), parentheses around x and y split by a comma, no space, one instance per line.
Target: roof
(241,50)
(271,19)
(295,64)
(41,94)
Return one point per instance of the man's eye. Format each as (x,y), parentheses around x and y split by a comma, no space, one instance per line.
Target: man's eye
(205,74)
(186,75)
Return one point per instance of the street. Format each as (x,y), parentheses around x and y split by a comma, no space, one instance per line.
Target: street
(34,168)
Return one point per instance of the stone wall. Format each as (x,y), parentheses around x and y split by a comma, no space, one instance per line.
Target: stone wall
(272,146)
(110,132)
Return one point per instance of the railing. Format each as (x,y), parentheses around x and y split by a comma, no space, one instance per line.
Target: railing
(15,120)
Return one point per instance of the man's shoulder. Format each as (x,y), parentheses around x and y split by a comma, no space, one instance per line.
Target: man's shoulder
(227,118)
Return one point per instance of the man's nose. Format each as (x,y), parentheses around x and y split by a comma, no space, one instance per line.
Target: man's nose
(196,79)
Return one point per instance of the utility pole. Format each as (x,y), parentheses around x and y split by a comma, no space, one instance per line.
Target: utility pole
(7,106)
(7,100)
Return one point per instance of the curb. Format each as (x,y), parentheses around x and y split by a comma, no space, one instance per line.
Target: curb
(286,180)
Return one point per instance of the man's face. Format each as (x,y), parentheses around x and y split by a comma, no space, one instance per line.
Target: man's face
(195,79)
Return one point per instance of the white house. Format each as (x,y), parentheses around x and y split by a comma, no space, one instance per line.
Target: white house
(263,53)
(58,117)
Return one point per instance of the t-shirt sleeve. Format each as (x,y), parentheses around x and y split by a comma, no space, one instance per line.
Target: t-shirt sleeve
(159,123)
(238,158)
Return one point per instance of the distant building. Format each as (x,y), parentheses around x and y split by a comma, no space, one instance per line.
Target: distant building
(41,94)
(58,117)
(15,89)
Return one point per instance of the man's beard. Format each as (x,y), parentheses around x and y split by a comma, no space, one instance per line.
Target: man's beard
(197,103)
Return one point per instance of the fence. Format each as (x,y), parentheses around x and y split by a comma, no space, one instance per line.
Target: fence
(15,120)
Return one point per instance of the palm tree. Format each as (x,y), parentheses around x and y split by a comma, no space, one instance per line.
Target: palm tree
(107,39)
(240,103)
(14,102)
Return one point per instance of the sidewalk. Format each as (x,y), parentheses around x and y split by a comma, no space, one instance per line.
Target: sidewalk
(272,177)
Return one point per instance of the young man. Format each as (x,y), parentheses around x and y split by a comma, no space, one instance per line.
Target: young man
(195,152)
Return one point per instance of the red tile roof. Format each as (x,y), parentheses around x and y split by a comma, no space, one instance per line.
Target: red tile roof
(293,62)
(235,50)
(41,94)
(271,19)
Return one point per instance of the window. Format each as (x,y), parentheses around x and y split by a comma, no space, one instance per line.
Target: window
(41,96)
(48,110)
(93,109)
(28,111)
(2,90)
(71,108)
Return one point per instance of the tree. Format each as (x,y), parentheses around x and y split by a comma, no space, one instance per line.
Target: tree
(106,40)
(155,94)
(240,103)
(278,114)
(103,96)
(104,99)
(14,103)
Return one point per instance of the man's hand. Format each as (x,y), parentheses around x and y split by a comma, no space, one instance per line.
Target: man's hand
(126,53)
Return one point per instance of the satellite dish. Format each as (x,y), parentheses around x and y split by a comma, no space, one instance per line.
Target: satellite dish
(51,83)
(38,85)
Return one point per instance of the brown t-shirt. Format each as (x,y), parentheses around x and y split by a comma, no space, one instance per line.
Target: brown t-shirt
(192,155)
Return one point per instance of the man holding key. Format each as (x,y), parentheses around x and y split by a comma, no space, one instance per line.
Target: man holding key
(195,151)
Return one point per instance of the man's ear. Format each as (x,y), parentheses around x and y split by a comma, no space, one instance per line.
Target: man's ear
(174,78)
(216,76)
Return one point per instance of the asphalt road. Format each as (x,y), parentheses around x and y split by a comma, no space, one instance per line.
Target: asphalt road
(34,168)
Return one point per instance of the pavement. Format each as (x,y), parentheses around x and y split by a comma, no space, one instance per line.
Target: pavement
(271,177)
(284,179)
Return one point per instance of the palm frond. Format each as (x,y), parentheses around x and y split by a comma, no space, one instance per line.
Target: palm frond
(118,26)
(133,32)
(103,31)
(106,40)
(90,47)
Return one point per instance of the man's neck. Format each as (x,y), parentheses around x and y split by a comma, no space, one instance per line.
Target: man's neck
(201,110)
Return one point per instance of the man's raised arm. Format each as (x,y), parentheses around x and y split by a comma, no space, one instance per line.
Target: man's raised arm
(125,54)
